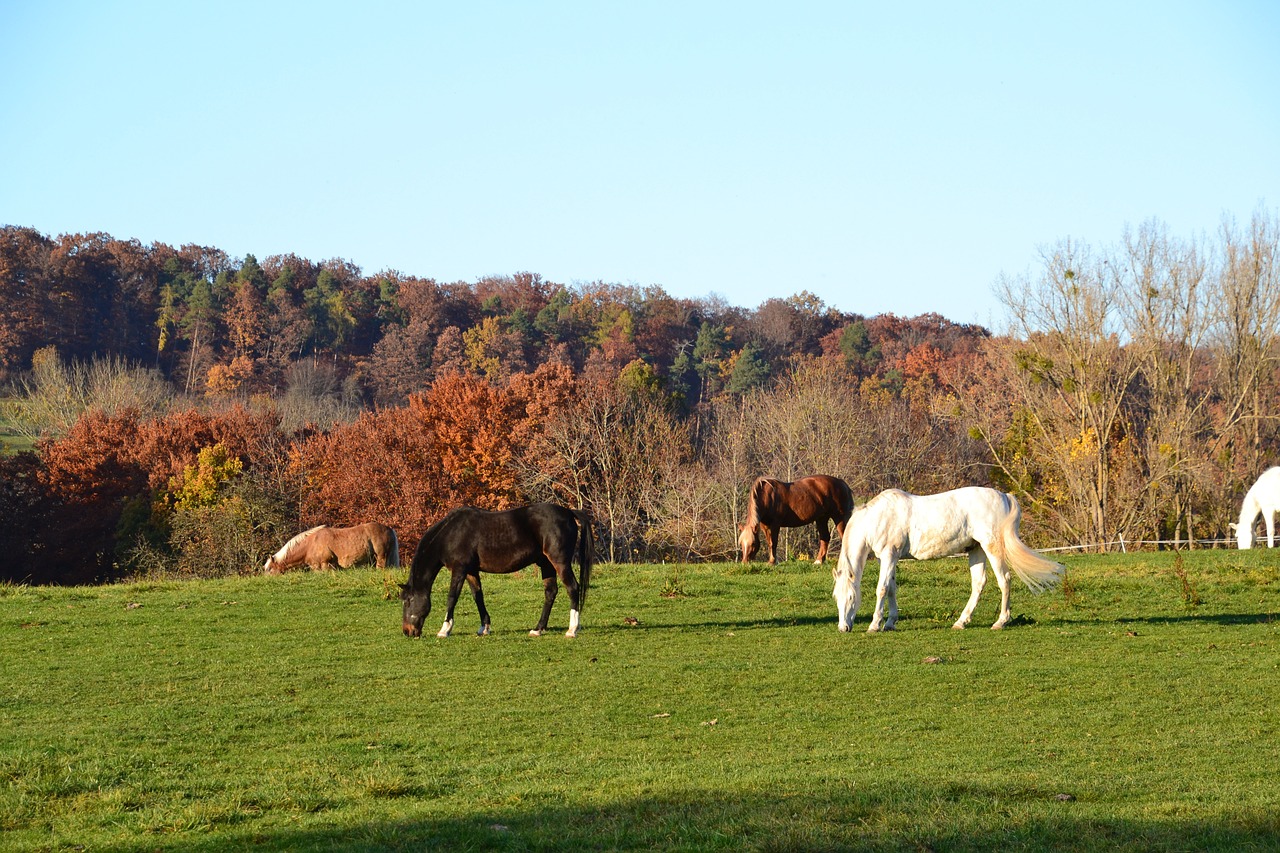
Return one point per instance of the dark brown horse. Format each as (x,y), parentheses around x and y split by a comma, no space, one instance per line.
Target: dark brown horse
(469,541)
(773,504)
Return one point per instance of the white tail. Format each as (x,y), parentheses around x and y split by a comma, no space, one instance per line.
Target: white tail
(1036,571)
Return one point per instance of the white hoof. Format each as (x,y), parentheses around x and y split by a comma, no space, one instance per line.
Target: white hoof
(484,631)
(844,629)
(445,629)
(959,626)
(571,633)
(535,633)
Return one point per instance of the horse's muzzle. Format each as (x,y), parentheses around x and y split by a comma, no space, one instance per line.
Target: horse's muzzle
(412,631)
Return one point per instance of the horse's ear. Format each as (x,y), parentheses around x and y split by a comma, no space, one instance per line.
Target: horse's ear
(1231,525)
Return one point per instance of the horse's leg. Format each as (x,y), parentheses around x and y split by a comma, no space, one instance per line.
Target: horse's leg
(549,589)
(1001,571)
(1269,517)
(977,580)
(473,580)
(824,540)
(858,566)
(888,565)
(431,585)
(771,534)
(456,578)
(891,598)
(564,570)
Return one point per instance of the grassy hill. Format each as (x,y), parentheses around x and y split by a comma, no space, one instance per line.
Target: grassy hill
(1132,709)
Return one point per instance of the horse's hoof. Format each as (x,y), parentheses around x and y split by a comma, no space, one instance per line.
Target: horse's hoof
(997,627)
(844,629)
(483,632)
(959,626)
(571,634)
(874,629)
(535,633)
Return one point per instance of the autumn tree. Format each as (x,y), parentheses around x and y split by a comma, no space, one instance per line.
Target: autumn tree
(25,309)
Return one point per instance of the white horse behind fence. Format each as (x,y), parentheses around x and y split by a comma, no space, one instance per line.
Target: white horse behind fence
(894,524)
(1263,498)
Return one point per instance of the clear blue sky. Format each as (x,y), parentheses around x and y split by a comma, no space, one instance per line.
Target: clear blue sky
(890,157)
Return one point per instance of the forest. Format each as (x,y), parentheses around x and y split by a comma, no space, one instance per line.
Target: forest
(176,411)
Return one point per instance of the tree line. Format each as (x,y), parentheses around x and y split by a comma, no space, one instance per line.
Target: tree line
(192,411)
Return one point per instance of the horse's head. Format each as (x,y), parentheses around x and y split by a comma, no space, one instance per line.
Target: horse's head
(417,604)
(271,567)
(748,543)
(1244,535)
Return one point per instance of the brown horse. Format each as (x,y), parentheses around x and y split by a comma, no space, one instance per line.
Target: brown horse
(469,541)
(774,504)
(330,547)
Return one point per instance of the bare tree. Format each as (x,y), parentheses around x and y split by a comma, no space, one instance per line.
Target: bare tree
(1247,294)
(1167,312)
(1073,379)
(54,394)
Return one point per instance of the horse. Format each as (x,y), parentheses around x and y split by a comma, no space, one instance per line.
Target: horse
(469,541)
(330,547)
(1263,498)
(773,504)
(894,524)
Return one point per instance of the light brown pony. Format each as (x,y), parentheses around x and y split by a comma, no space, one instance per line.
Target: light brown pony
(330,547)
(773,504)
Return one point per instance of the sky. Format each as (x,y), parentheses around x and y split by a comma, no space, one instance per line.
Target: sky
(887,157)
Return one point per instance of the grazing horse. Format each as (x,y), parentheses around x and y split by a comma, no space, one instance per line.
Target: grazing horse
(1263,498)
(469,541)
(773,504)
(894,524)
(330,547)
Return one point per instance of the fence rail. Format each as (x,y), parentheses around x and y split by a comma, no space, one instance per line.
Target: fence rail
(1126,544)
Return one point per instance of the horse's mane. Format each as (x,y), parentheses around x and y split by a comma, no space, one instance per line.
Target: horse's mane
(293,543)
(435,529)
(432,532)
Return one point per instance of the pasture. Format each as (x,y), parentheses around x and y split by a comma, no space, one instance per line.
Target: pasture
(1134,708)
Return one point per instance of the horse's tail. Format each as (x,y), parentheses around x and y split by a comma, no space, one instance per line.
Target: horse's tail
(393,558)
(586,555)
(1036,571)
(846,500)
(753,502)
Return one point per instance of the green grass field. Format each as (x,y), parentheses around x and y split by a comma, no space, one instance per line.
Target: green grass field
(1133,709)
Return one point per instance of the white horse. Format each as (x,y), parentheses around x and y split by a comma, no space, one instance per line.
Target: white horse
(1262,498)
(894,524)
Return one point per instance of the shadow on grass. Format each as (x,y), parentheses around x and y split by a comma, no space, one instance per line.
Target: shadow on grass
(891,816)
(739,624)
(1208,618)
